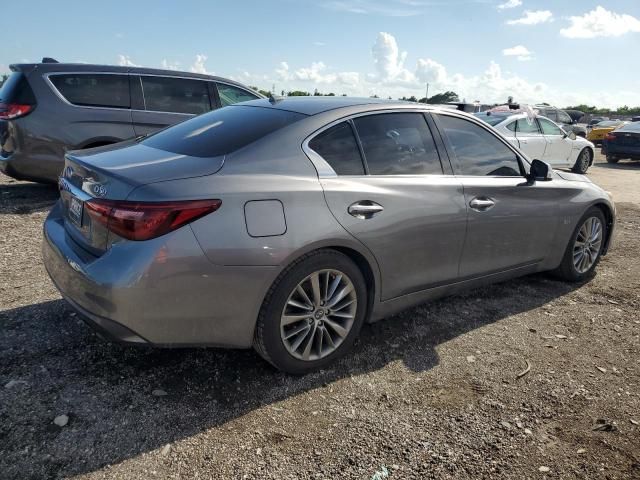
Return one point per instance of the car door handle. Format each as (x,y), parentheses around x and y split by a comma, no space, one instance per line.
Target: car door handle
(481,204)
(364,209)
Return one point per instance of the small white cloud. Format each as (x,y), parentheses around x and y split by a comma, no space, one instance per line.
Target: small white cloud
(532,17)
(125,61)
(521,52)
(389,60)
(319,44)
(283,71)
(198,65)
(167,65)
(600,22)
(509,4)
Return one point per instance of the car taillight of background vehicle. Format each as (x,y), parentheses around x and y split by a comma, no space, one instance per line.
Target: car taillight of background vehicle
(610,136)
(146,220)
(9,111)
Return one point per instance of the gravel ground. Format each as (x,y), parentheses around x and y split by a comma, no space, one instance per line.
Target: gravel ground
(431,393)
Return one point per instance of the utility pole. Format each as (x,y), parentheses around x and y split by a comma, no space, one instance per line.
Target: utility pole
(427,95)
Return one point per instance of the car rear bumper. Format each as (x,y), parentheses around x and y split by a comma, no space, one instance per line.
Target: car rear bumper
(163,292)
(623,151)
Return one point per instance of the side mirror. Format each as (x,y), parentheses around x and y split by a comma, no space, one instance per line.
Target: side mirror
(571,134)
(540,171)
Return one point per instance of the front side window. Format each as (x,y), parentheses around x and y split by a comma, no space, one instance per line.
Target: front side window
(176,95)
(477,152)
(551,114)
(230,95)
(337,146)
(93,89)
(398,144)
(528,128)
(549,128)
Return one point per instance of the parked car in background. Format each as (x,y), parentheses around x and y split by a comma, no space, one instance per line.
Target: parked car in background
(49,108)
(562,118)
(576,115)
(597,133)
(623,143)
(542,139)
(595,121)
(635,118)
(201,234)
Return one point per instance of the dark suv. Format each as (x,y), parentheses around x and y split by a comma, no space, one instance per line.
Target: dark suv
(562,118)
(49,108)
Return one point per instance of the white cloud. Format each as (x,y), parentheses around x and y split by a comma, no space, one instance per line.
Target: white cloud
(600,22)
(510,4)
(430,71)
(125,61)
(167,65)
(198,65)
(532,17)
(389,60)
(521,52)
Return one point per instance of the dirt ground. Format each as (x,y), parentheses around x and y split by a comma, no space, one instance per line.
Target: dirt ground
(434,392)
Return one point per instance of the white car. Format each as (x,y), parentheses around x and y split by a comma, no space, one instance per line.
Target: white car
(540,138)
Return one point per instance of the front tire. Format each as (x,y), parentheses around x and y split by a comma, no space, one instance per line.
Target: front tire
(313,313)
(585,247)
(583,162)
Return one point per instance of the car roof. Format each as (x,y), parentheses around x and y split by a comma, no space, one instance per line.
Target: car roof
(313,105)
(88,67)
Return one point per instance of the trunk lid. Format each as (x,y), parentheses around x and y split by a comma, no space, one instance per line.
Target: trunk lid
(112,173)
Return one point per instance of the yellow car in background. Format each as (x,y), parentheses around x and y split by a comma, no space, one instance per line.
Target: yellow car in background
(600,130)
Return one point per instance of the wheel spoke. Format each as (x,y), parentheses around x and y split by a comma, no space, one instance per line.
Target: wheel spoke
(343,305)
(340,295)
(304,295)
(289,319)
(341,331)
(307,350)
(334,285)
(295,345)
(296,330)
(315,286)
(297,304)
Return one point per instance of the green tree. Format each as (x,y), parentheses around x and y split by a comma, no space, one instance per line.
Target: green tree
(298,93)
(441,98)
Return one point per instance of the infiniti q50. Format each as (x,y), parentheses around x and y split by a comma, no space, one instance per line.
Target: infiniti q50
(286,224)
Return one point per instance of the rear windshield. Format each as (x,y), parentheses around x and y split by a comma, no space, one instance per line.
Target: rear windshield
(221,131)
(16,89)
(632,127)
(492,120)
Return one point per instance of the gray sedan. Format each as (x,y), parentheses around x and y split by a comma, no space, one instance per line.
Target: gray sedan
(285,224)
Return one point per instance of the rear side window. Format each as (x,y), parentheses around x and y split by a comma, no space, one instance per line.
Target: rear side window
(16,89)
(176,95)
(526,127)
(230,95)
(477,152)
(398,144)
(337,145)
(221,131)
(94,90)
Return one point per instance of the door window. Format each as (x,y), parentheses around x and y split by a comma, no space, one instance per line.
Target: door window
(549,128)
(230,95)
(398,144)
(337,146)
(529,128)
(94,89)
(176,95)
(478,152)
(564,118)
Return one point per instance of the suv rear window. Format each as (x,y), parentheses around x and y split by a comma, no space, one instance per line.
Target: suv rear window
(93,89)
(16,89)
(179,95)
(221,131)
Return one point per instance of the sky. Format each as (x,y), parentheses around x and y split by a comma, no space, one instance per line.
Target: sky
(562,52)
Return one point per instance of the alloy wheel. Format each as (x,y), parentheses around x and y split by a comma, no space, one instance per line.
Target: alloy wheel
(318,315)
(586,248)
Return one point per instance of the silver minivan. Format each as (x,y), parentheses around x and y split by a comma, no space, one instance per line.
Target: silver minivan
(49,108)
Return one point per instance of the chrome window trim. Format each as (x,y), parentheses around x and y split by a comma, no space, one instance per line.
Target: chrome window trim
(326,171)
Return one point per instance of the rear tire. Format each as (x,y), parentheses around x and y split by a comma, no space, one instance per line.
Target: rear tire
(585,247)
(612,159)
(307,321)
(583,162)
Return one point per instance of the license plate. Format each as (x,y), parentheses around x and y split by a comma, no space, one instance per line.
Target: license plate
(76,206)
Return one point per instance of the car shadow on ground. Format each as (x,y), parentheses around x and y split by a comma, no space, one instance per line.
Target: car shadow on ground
(21,198)
(107,389)
(621,165)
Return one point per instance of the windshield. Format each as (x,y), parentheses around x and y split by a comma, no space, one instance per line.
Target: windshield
(221,131)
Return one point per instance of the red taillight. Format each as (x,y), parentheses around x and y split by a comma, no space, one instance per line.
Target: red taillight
(9,111)
(610,136)
(146,220)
